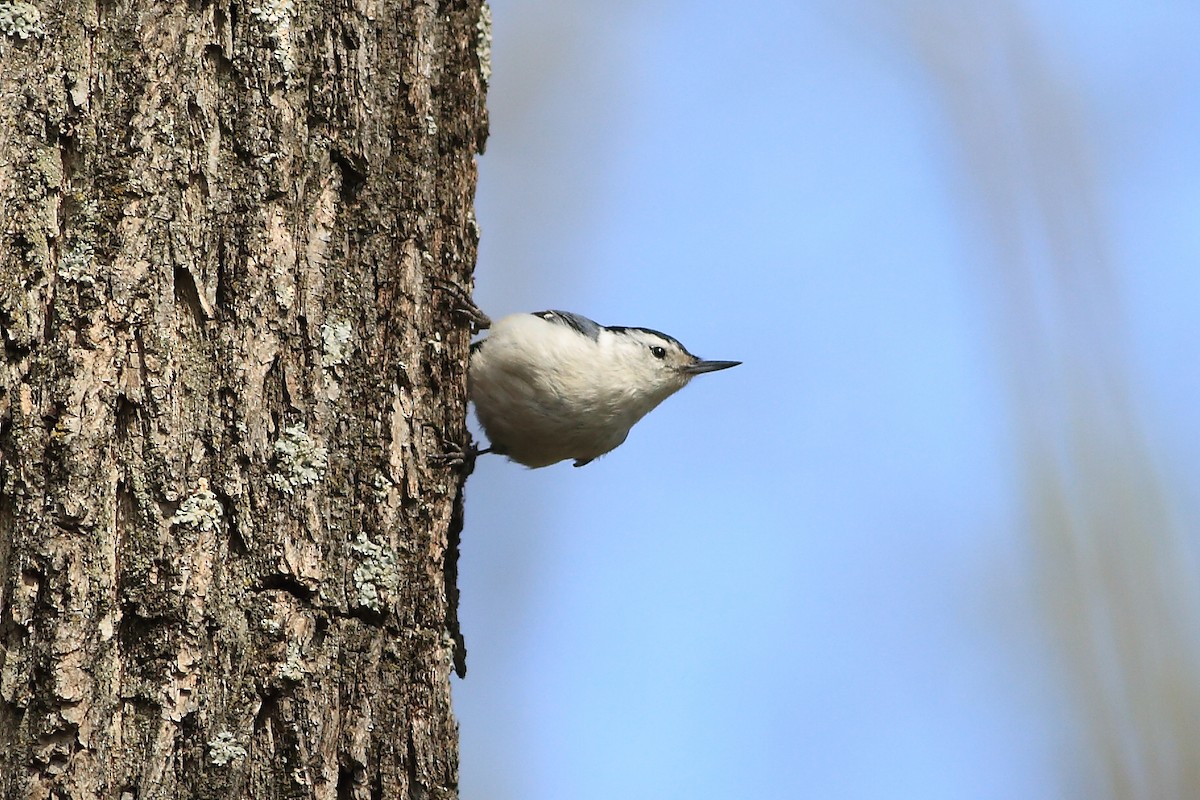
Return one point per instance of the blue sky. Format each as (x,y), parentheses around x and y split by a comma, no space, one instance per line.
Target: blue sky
(809,576)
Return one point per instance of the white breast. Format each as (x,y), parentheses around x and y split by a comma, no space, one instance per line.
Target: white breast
(545,392)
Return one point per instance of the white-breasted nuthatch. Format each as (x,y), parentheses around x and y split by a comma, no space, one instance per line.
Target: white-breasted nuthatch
(554,385)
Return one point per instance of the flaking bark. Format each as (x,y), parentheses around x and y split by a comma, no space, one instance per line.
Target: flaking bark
(226,554)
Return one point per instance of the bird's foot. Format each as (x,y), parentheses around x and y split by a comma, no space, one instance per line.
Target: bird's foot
(464,305)
(460,456)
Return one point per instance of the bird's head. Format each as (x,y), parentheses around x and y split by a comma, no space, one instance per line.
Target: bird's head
(654,364)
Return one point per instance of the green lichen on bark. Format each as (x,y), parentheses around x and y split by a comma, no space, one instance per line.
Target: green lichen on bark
(299,461)
(21,20)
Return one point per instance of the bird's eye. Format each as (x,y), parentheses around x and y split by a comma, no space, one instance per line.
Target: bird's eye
(658,352)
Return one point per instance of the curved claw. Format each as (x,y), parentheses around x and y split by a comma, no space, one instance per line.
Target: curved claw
(463,457)
(466,306)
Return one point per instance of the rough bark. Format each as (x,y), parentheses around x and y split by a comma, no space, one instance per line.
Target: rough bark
(226,554)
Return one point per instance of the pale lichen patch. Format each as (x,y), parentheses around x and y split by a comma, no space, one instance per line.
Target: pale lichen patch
(377,572)
(276,17)
(201,510)
(334,338)
(76,265)
(483,41)
(381,488)
(21,20)
(299,460)
(224,748)
(292,669)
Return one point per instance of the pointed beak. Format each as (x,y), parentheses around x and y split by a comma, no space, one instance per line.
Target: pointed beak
(709,366)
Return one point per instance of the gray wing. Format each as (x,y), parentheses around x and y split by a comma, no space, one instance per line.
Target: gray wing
(579,322)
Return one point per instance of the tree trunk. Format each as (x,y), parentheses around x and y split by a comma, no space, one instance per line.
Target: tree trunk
(230,349)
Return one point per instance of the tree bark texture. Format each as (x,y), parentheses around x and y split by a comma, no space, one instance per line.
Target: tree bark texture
(230,353)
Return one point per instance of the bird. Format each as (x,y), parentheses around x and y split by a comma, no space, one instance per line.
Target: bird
(549,386)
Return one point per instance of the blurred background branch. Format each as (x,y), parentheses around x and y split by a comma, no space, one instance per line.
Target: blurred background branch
(1117,575)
